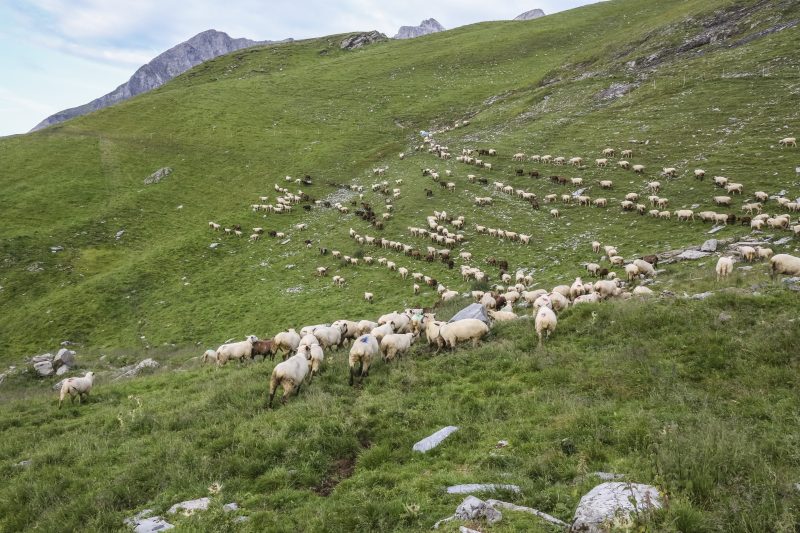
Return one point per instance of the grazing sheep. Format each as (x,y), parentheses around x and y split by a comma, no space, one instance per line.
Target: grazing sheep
(289,374)
(632,271)
(364,349)
(396,344)
(502,316)
(236,350)
(381,331)
(684,214)
(606,184)
(722,200)
(546,320)
(592,297)
(626,153)
(595,247)
(748,253)
(639,169)
(785,264)
(607,288)
(724,267)
(264,348)
(330,336)
(761,196)
(669,171)
(601,162)
(287,341)
(463,330)
(76,387)
(555,213)
(788,141)
(654,186)
(699,173)
(576,289)
(416,288)
(641,290)
(368,296)
(645,268)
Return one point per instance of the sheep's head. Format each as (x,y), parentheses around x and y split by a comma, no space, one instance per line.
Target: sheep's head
(252,338)
(306,350)
(89,375)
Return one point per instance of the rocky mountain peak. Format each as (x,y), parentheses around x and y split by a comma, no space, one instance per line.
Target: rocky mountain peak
(175,61)
(426,26)
(530,15)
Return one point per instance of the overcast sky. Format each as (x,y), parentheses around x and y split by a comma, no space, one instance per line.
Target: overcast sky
(56,54)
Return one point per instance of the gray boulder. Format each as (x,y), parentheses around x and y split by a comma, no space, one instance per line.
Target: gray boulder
(693,254)
(613,502)
(64,357)
(144,523)
(63,369)
(473,508)
(432,441)
(361,40)
(44,367)
(709,246)
(158,175)
(480,487)
(190,506)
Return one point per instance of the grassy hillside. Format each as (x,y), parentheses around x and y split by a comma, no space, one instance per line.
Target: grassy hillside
(703,408)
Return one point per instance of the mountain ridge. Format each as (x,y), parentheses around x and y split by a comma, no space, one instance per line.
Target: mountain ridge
(205,45)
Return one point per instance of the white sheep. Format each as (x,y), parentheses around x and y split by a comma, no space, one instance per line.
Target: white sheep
(463,330)
(287,341)
(788,141)
(764,253)
(364,349)
(748,253)
(785,264)
(724,267)
(317,357)
(502,316)
(236,350)
(546,320)
(381,331)
(449,295)
(645,268)
(632,271)
(368,296)
(396,344)
(576,289)
(639,169)
(76,387)
(210,356)
(330,336)
(607,288)
(289,374)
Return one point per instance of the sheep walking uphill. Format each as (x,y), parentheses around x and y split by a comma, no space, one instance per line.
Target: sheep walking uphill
(463,330)
(76,387)
(236,350)
(289,374)
(363,351)
(546,320)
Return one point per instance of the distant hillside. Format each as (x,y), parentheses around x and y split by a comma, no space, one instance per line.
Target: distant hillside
(177,60)
(530,15)
(426,27)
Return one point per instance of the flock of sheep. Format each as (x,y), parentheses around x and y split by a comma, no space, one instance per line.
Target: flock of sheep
(392,335)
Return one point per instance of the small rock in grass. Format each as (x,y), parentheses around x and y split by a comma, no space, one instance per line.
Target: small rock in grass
(613,501)
(432,441)
(200,504)
(228,507)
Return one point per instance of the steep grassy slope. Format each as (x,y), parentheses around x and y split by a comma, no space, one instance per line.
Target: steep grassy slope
(665,392)
(235,126)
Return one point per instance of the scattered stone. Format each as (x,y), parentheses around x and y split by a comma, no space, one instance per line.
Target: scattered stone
(64,357)
(132,371)
(24,464)
(473,508)
(792,280)
(784,240)
(190,506)
(55,249)
(613,501)
(745,268)
(361,40)
(616,90)
(501,444)
(724,317)
(480,487)
(709,246)
(607,476)
(240,519)
(63,369)
(464,529)
(35,267)
(150,525)
(702,295)
(228,507)
(67,343)
(158,175)
(3,377)
(432,441)
(119,234)
(44,368)
(692,254)
(716,229)
(213,245)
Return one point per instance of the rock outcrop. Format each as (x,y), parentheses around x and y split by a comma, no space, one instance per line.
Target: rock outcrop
(426,26)
(362,39)
(177,60)
(530,15)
